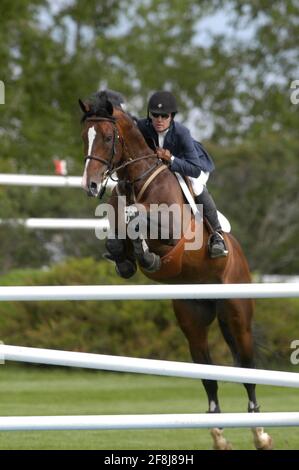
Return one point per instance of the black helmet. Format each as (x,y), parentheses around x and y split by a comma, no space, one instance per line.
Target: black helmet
(115,98)
(162,101)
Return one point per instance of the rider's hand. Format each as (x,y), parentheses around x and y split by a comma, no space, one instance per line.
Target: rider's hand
(164,154)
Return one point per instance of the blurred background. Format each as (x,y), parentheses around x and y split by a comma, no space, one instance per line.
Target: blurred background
(230,64)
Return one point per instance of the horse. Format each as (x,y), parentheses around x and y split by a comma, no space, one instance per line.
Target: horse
(114,144)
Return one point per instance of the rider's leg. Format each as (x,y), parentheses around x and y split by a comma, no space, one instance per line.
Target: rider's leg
(217,245)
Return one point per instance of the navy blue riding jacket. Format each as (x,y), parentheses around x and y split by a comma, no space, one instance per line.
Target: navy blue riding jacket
(190,156)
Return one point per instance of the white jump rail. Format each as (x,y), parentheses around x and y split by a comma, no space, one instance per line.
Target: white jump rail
(58,224)
(149,292)
(159,421)
(147,366)
(44,181)
(136,365)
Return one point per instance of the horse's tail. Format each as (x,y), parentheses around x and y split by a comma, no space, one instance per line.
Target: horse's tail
(261,350)
(264,354)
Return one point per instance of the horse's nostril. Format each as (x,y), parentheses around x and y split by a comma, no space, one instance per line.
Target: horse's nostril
(93,188)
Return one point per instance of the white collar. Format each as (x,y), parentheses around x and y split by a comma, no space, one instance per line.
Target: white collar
(161,137)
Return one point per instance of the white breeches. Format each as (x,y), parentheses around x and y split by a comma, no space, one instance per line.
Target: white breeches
(199,183)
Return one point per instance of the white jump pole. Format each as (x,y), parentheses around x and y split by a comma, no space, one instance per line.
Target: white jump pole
(150,292)
(147,366)
(44,180)
(55,224)
(159,421)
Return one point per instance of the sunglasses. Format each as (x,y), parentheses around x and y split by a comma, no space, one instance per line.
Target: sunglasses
(162,115)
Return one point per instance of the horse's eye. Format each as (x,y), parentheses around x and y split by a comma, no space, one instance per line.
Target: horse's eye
(108,138)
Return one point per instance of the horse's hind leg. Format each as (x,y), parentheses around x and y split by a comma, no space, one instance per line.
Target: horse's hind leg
(194,318)
(235,320)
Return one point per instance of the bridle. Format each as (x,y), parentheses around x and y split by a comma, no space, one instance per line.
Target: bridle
(114,142)
(109,163)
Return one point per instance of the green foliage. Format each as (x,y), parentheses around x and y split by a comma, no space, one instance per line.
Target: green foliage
(138,328)
(263,201)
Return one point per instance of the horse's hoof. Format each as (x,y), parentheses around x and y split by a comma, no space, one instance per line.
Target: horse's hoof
(262,440)
(220,443)
(126,269)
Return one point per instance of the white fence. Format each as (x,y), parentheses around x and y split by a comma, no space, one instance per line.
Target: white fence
(46,223)
(147,366)
(150,292)
(158,421)
(125,364)
(44,180)
(59,224)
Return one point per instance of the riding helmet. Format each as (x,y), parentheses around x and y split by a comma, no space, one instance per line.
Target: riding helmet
(162,102)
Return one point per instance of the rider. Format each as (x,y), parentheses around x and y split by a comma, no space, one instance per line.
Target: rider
(174,145)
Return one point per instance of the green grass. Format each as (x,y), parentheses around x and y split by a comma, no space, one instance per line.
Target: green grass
(52,391)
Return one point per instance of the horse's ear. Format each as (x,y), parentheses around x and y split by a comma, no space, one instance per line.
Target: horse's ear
(84,106)
(109,107)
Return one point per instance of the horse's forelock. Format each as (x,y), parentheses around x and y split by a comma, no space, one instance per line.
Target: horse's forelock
(99,105)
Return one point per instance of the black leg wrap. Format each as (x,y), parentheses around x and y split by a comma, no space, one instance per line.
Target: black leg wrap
(148,261)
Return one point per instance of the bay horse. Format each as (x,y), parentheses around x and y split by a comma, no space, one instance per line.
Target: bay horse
(113,143)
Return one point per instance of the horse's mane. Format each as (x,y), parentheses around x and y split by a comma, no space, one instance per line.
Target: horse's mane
(98,105)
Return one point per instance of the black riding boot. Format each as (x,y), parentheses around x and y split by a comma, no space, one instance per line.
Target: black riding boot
(217,247)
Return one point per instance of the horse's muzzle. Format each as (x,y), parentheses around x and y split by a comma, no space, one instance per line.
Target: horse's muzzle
(93,189)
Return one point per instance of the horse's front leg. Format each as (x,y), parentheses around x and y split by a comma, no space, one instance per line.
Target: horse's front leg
(125,264)
(117,246)
(137,231)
